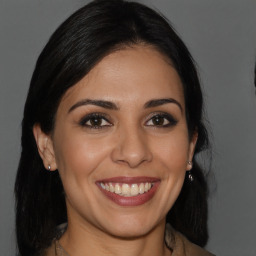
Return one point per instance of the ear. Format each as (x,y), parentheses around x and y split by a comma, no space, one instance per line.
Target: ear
(45,148)
(191,150)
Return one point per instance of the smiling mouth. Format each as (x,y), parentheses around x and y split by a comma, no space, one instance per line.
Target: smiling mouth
(129,191)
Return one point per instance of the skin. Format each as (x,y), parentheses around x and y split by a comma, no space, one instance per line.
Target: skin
(130,142)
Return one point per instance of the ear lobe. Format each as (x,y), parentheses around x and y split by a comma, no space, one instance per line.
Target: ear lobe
(45,148)
(191,151)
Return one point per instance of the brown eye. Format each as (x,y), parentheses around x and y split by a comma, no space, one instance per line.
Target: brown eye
(95,121)
(158,120)
(161,120)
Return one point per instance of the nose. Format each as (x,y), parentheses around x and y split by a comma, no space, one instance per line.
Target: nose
(131,148)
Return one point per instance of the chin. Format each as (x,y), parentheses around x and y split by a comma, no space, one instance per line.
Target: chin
(129,228)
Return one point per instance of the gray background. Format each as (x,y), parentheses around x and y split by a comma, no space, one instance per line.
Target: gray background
(221,35)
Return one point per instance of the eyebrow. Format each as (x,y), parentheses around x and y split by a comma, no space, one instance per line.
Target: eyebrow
(159,102)
(100,103)
(112,106)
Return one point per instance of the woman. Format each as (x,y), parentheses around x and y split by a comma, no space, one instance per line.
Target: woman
(111,127)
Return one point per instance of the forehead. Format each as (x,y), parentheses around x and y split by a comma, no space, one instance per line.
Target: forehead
(131,75)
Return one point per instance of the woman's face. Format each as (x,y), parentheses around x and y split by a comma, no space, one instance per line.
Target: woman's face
(119,132)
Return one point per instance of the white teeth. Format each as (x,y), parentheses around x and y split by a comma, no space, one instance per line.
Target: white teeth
(134,190)
(124,189)
(111,187)
(118,189)
(141,188)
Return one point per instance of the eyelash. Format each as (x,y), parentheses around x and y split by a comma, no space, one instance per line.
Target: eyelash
(167,119)
(96,116)
(171,121)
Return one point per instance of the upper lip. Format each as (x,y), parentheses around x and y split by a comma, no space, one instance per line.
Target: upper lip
(130,180)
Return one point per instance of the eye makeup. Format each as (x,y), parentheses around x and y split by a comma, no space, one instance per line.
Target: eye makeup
(95,121)
(161,120)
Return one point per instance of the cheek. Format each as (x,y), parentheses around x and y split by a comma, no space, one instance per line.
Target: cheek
(77,155)
(173,152)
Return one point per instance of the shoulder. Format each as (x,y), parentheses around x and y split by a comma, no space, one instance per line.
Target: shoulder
(181,246)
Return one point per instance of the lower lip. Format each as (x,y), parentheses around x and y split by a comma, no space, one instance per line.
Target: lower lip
(131,200)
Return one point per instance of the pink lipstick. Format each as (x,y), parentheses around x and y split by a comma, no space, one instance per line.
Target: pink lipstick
(129,191)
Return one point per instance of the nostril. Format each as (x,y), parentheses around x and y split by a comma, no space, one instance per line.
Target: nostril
(132,151)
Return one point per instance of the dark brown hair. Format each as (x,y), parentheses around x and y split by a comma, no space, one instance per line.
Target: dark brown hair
(72,51)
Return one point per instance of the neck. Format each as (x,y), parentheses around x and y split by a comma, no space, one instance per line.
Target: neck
(80,240)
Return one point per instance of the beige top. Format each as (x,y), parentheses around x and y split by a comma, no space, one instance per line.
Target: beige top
(178,244)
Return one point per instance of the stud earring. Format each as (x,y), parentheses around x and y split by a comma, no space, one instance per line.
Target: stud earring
(49,167)
(190,163)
